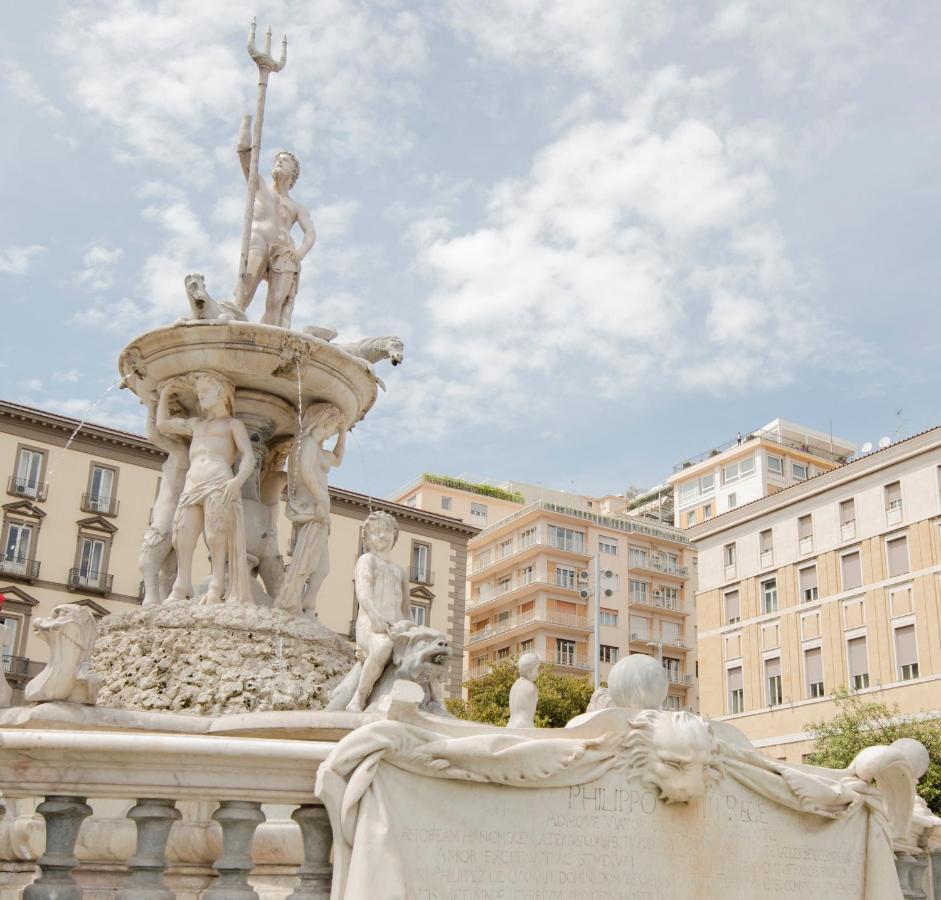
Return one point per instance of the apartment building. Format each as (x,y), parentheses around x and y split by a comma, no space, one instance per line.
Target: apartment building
(832,582)
(751,466)
(77,506)
(476,502)
(529,591)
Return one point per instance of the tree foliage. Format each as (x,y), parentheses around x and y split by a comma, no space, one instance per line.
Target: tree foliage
(561,697)
(859,724)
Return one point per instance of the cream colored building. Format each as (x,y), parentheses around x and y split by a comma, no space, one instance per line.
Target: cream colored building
(529,591)
(751,466)
(477,503)
(833,582)
(76,510)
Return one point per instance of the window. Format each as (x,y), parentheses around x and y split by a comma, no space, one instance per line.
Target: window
(852,570)
(419,614)
(671,701)
(672,667)
(691,518)
(808,584)
(609,617)
(637,556)
(606,545)
(813,672)
(707,511)
(609,654)
(858,662)
(445,502)
(640,628)
(100,497)
(737,470)
(670,563)
(766,547)
(805,534)
(527,574)
(91,561)
(769,596)
(848,520)
(776,465)
(16,558)
(893,502)
(566,539)
(565,577)
(27,482)
(773,681)
(420,556)
(482,560)
(412,501)
(527,538)
(671,597)
(732,500)
(565,652)
(527,646)
(504,548)
(799,471)
(736,691)
(906,653)
(733,609)
(693,490)
(637,591)
(503,618)
(9,634)
(504,585)
(670,633)
(478,510)
(728,553)
(503,653)
(896,552)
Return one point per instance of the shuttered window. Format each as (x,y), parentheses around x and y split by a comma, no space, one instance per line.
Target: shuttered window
(765,539)
(736,690)
(858,662)
(733,609)
(852,570)
(808,584)
(805,527)
(896,551)
(893,495)
(813,670)
(773,681)
(906,653)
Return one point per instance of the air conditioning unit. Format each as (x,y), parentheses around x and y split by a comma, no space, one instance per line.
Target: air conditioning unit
(584,594)
(658,593)
(608,592)
(607,573)
(584,575)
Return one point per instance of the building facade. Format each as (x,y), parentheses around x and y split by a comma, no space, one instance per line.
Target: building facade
(751,466)
(833,582)
(529,591)
(78,503)
(477,503)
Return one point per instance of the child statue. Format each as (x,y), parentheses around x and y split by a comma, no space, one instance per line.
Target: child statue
(211,501)
(384,606)
(524,695)
(308,506)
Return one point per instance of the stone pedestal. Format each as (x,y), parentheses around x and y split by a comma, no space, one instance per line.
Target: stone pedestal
(217,660)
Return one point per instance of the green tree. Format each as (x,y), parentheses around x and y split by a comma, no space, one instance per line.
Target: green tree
(859,724)
(561,697)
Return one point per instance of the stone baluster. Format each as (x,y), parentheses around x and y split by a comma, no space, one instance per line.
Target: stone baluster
(316,872)
(64,817)
(239,819)
(154,819)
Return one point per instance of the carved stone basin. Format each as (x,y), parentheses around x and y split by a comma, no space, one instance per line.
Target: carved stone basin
(262,361)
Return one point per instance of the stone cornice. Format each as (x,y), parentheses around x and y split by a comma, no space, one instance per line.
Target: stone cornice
(351,499)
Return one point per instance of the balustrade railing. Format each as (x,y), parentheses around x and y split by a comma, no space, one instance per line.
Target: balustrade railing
(20,567)
(566,620)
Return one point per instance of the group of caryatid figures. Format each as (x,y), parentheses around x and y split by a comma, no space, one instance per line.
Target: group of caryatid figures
(210,460)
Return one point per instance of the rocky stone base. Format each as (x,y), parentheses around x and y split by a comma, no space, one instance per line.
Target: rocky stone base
(216,660)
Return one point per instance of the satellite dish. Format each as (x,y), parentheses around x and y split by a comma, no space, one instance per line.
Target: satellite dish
(884,442)
(866,448)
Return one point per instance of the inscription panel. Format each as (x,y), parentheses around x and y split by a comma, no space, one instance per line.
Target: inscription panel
(608,840)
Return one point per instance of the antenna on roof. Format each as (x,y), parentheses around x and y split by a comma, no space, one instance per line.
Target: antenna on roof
(884,442)
(866,448)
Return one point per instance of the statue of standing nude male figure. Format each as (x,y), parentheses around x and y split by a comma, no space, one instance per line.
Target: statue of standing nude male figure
(211,500)
(272,255)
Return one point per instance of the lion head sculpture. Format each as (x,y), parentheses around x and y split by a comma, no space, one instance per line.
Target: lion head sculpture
(674,753)
(421,655)
(67,678)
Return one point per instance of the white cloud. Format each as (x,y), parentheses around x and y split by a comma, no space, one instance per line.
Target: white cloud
(31,384)
(16,260)
(97,272)
(21,83)
(66,376)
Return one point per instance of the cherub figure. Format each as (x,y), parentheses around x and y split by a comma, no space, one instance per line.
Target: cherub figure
(524,695)
(308,506)
(384,606)
(272,255)
(211,501)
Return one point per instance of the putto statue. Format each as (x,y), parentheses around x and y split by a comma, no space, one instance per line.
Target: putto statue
(67,678)
(308,506)
(211,500)
(524,695)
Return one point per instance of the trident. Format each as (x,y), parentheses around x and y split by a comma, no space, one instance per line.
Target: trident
(266,64)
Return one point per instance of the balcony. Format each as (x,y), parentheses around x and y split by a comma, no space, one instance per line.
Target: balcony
(679,643)
(667,603)
(92,582)
(421,575)
(561,620)
(678,678)
(20,487)
(20,567)
(490,592)
(97,503)
(656,562)
(537,539)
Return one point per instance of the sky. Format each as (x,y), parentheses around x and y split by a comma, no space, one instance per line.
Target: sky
(611,234)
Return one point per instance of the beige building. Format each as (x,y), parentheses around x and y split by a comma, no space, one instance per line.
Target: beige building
(77,507)
(751,466)
(529,591)
(832,582)
(475,502)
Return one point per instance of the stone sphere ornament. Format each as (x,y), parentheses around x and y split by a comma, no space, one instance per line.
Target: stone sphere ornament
(638,682)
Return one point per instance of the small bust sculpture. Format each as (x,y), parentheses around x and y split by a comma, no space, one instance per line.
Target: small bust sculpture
(638,682)
(67,678)
(524,694)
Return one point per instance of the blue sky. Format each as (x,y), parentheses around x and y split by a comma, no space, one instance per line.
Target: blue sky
(611,234)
